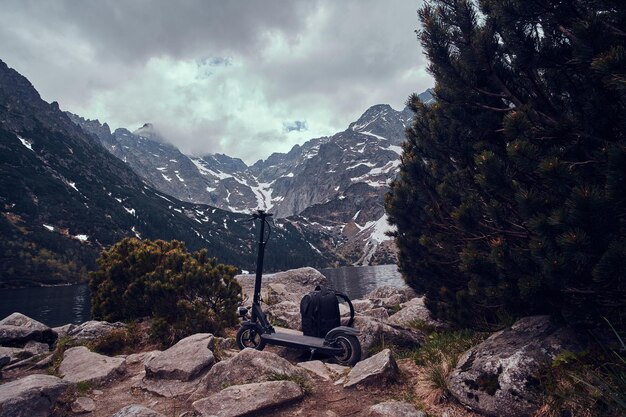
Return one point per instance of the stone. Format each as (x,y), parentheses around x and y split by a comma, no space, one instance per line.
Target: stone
(322,370)
(387,291)
(83,405)
(136,410)
(248,399)
(142,357)
(286,314)
(31,396)
(497,377)
(92,329)
(17,329)
(183,361)
(394,409)
(289,285)
(168,388)
(412,311)
(374,331)
(81,365)
(36,348)
(246,367)
(65,329)
(380,367)
(379,313)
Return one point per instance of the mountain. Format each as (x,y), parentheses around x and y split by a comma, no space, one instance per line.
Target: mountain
(64,197)
(340,180)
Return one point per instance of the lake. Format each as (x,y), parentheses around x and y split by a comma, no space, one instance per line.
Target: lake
(56,306)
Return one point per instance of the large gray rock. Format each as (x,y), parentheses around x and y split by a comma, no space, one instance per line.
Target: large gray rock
(380,367)
(91,330)
(17,329)
(81,365)
(373,331)
(137,410)
(183,361)
(31,396)
(394,409)
(248,399)
(290,285)
(389,295)
(246,367)
(497,377)
(285,314)
(176,371)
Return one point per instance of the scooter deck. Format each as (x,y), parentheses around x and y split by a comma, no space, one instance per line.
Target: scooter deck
(294,340)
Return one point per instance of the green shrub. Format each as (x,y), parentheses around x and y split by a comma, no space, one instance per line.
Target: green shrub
(184,293)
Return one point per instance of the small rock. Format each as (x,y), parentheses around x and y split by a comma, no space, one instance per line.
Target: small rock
(136,410)
(240,400)
(386,291)
(81,365)
(96,392)
(373,331)
(93,329)
(411,311)
(168,388)
(144,357)
(36,348)
(317,368)
(380,367)
(31,396)
(394,409)
(18,329)
(44,362)
(183,361)
(83,405)
(65,329)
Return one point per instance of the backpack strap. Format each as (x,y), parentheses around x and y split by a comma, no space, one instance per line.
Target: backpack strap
(345,297)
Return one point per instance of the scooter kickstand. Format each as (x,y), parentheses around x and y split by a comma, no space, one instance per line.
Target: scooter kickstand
(312,353)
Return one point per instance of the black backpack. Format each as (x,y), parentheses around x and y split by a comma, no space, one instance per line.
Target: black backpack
(320,311)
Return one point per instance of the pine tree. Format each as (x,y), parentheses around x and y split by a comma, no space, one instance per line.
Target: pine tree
(511,198)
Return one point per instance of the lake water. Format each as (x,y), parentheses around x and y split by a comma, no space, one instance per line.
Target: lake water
(56,306)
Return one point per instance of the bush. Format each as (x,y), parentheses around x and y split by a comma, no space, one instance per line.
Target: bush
(184,293)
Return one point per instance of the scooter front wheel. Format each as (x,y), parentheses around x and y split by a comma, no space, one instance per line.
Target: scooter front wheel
(350,350)
(249,337)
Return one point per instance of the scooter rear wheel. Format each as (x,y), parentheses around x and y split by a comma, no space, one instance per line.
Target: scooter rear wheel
(249,337)
(350,350)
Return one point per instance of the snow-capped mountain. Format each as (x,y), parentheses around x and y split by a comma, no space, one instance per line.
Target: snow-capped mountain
(349,171)
(63,198)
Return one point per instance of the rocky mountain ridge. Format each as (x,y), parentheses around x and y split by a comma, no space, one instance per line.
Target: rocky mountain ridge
(63,198)
(339,180)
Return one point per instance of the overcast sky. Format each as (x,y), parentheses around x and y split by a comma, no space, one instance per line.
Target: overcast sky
(245,78)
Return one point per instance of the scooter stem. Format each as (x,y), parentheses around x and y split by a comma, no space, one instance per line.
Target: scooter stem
(259,261)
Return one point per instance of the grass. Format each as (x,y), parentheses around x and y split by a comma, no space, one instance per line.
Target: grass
(303,382)
(587,384)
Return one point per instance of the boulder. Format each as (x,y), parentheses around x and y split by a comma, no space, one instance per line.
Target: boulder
(17,329)
(31,396)
(374,331)
(290,285)
(412,311)
(248,399)
(246,367)
(91,330)
(136,410)
(285,314)
(394,409)
(142,357)
(379,368)
(81,365)
(183,361)
(83,405)
(36,348)
(65,329)
(497,377)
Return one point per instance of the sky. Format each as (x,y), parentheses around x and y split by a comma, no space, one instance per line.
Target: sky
(245,78)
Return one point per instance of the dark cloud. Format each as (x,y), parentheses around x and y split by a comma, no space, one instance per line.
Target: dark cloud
(218,76)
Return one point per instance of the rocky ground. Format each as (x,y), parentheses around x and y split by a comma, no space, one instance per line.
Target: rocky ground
(204,375)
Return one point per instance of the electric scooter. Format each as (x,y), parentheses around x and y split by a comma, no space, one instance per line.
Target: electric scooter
(341,342)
